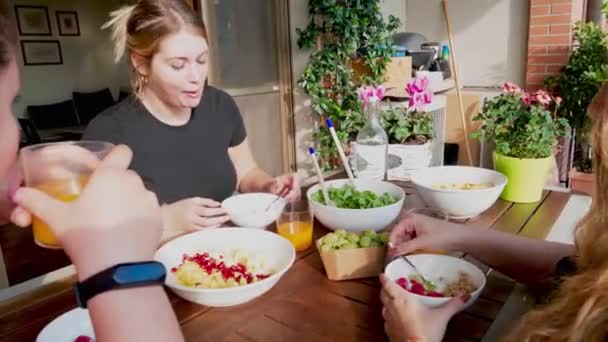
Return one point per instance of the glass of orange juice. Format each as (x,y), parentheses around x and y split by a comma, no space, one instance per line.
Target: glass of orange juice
(61,170)
(296,225)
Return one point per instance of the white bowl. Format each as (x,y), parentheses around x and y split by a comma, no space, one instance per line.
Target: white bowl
(458,204)
(68,327)
(358,219)
(276,252)
(433,267)
(249,210)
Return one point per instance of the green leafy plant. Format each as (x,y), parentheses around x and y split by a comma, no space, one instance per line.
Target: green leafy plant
(412,126)
(521,125)
(347,32)
(403,127)
(579,81)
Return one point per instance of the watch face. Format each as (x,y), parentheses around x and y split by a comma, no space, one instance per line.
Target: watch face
(139,272)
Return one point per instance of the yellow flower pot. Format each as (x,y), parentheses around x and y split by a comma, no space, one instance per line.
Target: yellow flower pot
(527,177)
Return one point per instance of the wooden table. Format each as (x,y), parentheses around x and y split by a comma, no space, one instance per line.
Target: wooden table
(305,305)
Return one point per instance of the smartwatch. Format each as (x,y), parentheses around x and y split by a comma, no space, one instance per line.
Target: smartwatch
(121,276)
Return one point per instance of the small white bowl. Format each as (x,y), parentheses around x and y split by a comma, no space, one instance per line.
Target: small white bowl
(68,327)
(358,220)
(436,266)
(458,204)
(249,210)
(276,252)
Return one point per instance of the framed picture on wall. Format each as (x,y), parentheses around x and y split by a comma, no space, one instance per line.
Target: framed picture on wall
(33,20)
(67,22)
(41,52)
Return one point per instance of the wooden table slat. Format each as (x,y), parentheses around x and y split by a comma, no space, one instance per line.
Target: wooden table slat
(539,226)
(517,216)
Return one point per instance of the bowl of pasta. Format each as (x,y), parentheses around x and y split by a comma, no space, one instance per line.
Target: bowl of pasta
(459,191)
(225,266)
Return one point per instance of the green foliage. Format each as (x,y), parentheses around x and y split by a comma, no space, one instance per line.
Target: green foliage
(581,78)
(405,127)
(517,129)
(349,197)
(348,29)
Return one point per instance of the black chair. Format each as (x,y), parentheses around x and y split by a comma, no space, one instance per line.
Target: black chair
(54,116)
(123,95)
(29,132)
(88,105)
(31,135)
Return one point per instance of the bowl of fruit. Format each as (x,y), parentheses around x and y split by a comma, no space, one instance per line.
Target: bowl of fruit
(446,277)
(368,205)
(225,266)
(352,255)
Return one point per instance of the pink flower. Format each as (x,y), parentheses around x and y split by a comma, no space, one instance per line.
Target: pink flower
(526,98)
(380,92)
(428,97)
(558,100)
(511,88)
(370,92)
(361,94)
(542,97)
(417,85)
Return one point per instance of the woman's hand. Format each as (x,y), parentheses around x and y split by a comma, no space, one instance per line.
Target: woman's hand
(419,232)
(406,319)
(115,219)
(193,214)
(8,208)
(288,183)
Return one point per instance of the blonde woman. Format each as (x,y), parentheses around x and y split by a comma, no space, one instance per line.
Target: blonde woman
(576,312)
(189,142)
(115,201)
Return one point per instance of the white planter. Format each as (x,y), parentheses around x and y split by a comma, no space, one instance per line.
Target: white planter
(404,159)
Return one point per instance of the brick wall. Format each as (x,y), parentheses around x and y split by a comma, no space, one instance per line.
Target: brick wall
(549,38)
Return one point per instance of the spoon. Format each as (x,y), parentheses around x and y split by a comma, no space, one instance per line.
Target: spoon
(426,281)
(279,196)
(313,155)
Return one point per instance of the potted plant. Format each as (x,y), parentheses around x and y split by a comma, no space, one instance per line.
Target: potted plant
(524,129)
(578,83)
(410,132)
(342,31)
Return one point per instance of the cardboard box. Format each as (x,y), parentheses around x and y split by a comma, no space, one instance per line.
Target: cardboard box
(353,263)
(398,73)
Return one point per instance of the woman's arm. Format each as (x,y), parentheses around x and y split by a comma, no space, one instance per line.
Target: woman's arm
(530,261)
(250,177)
(526,260)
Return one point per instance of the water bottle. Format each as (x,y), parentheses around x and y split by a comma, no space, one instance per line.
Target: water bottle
(371,147)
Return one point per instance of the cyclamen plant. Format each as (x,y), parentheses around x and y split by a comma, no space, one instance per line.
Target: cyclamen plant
(412,125)
(370,93)
(520,124)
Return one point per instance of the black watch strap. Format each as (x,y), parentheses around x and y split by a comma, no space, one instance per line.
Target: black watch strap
(121,276)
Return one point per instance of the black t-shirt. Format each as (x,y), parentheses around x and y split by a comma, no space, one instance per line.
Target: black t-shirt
(178,162)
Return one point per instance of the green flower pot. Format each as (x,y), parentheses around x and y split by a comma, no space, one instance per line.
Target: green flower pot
(527,177)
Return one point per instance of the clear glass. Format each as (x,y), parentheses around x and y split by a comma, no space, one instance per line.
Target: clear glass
(370,150)
(61,170)
(296,225)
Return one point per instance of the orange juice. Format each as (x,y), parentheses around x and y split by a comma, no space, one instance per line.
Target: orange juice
(299,233)
(63,190)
